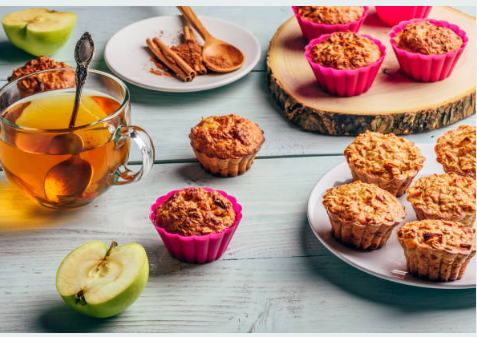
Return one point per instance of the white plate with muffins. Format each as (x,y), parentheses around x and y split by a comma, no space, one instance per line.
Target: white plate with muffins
(127,55)
(388,261)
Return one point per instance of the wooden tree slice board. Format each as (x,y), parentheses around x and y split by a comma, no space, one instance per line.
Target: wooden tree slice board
(394,103)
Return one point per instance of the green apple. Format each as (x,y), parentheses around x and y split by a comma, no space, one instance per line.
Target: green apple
(102,282)
(39,31)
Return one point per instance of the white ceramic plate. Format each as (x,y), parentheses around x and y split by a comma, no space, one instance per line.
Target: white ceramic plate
(387,262)
(127,56)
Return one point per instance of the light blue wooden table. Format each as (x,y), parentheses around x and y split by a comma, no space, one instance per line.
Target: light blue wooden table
(275,276)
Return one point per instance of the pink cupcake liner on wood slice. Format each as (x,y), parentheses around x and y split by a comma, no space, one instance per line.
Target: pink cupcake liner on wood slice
(392,15)
(197,248)
(427,68)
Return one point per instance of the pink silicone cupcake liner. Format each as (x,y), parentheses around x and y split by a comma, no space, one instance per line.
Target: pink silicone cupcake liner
(427,68)
(312,30)
(197,248)
(392,15)
(345,82)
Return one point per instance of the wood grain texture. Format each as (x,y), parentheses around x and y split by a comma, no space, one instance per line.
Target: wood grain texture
(275,276)
(394,103)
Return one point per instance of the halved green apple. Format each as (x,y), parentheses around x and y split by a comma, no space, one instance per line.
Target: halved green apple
(102,282)
(39,31)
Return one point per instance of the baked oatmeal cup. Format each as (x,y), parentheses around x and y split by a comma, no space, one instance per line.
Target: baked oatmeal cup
(315,21)
(437,250)
(345,64)
(392,15)
(427,50)
(226,145)
(386,160)
(455,150)
(362,215)
(196,224)
(445,196)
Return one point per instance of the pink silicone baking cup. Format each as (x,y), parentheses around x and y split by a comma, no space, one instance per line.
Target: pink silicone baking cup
(197,248)
(392,15)
(427,68)
(312,30)
(345,82)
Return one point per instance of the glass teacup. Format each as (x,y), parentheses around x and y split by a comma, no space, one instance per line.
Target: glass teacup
(65,167)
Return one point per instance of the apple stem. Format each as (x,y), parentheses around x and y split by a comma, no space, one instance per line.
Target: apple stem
(113,245)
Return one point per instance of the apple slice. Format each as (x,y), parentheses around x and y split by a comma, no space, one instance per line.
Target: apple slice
(101,282)
(39,31)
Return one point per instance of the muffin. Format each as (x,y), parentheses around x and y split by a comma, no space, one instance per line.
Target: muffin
(455,150)
(392,15)
(388,161)
(437,250)
(226,145)
(427,50)
(445,196)
(43,82)
(315,21)
(195,211)
(345,64)
(362,215)
(196,224)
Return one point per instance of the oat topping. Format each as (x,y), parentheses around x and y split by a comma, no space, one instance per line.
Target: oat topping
(446,194)
(225,137)
(387,156)
(438,234)
(43,82)
(345,51)
(363,203)
(195,211)
(426,38)
(456,150)
(331,15)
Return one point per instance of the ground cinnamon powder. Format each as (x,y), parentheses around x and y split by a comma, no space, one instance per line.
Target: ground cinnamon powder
(189,52)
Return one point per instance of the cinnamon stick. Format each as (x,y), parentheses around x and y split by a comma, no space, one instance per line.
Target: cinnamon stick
(174,58)
(190,40)
(172,66)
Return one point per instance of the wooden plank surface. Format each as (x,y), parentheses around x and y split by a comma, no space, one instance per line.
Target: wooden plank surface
(275,276)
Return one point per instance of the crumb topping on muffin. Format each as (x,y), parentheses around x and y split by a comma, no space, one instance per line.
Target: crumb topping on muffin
(345,50)
(387,156)
(446,194)
(46,81)
(426,38)
(195,211)
(438,235)
(225,137)
(364,204)
(456,150)
(331,15)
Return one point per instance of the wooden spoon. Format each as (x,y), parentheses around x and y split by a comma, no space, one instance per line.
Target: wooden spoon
(218,56)
(66,181)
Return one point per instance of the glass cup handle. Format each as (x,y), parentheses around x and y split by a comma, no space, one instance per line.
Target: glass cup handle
(123,174)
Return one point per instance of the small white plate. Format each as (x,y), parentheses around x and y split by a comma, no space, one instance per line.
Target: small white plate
(127,56)
(387,262)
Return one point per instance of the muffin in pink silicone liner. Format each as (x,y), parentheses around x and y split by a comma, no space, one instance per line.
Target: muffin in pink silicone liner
(196,224)
(315,21)
(392,15)
(345,64)
(427,50)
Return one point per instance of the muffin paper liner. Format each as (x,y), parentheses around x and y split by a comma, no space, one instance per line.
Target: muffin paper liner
(225,167)
(433,265)
(396,186)
(362,237)
(312,30)
(392,15)
(197,248)
(467,219)
(345,82)
(427,68)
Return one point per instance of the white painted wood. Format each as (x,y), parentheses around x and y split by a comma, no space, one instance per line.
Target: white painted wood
(275,276)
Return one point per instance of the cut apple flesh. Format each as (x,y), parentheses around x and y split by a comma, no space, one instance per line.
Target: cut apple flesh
(39,19)
(100,278)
